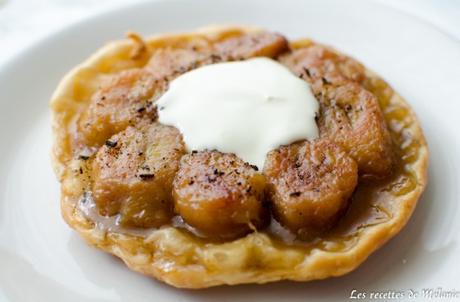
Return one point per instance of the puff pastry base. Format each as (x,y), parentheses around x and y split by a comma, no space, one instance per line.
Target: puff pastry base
(183,260)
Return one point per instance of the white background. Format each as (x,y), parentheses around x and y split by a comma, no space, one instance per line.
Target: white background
(24,21)
(43,260)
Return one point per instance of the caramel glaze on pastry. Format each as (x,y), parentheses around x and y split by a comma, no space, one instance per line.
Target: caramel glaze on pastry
(317,209)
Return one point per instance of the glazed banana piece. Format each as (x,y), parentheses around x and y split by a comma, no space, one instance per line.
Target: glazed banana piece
(219,195)
(351,117)
(310,185)
(133,174)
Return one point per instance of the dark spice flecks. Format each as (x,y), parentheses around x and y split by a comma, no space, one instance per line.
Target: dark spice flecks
(110,143)
(146,175)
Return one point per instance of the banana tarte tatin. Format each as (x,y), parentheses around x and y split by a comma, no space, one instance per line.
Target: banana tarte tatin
(203,218)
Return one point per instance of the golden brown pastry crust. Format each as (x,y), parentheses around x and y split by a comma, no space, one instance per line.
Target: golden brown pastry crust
(183,260)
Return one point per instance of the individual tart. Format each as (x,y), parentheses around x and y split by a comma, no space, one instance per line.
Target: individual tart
(197,219)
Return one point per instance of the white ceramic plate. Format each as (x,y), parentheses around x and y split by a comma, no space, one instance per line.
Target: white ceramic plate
(41,259)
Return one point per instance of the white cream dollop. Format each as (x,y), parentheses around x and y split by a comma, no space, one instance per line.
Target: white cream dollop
(247,108)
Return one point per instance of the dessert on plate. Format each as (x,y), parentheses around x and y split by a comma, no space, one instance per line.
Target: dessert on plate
(232,155)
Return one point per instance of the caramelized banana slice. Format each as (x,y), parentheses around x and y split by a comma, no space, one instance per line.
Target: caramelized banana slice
(261,44)
(219,194)
(114,107)
(320,63)
(310,185)
(350,115)
(133,174)
(167,63)
(129,97)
